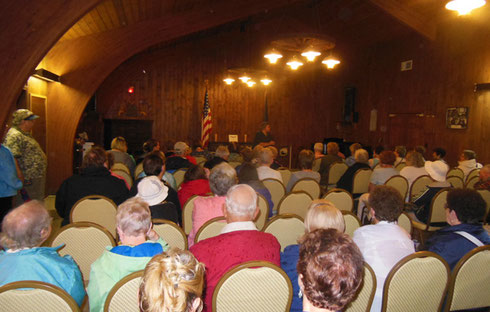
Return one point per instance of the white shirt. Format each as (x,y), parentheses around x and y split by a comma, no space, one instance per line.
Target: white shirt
(411,173)
(268,173)
(239,226)
(468,165)
(382,245)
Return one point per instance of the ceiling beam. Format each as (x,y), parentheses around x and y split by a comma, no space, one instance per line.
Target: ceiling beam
(409,17)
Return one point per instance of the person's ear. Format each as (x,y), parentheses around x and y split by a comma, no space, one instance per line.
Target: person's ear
(256,213)
(300,282)
(45,233)
(196,305)
(225,212)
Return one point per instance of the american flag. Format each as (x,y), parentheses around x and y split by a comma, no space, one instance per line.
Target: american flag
(207,123)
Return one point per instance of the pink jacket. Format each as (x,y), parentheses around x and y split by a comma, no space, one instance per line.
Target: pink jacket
(205,208)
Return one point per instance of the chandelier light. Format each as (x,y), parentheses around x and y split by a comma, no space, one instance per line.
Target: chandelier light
(251,83)
(464,7)
(229,80)
(266,81)
(273,56)
(330,62)
(310,54)
(294,63)
(244,78)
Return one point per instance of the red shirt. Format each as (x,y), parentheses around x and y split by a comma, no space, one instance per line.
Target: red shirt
(220,253)
(196,187)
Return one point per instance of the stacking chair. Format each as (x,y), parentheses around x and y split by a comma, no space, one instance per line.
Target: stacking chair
(296,203)
(287,228)
(234,164)
(121,167)
(179,176)
(187,214)
(200,159)
(308,185)
(417,282)
(316,164)
(38,296)
(352,223)
(277,190)
(253,286)
(470,281)
(360,183)
(399,183)
(209,229)
(170,232)
(365,294)
(264,212)
(418,187)
(470,183)
(437,215)
(456,172)
(405,222)
(486,196)
(138,170)
(123,297)
(473,173)
(455,181)
(340,198)
(285,174)
(85,242)
(126,176)
(97,209)
(400,166)
(335,172)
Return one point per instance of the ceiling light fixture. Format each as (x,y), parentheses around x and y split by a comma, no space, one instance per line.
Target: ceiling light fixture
(251,83)
(330,62)
(273,56)
(464,7)
(294,63)
(244,78)
(266,81)
(310,54)
(229,80)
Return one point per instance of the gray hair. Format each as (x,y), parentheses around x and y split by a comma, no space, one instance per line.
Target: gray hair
(23,226)
(222,177)
(265,157)
(361,156)
(241,200)
(318,147)
(222,151)
(133,217)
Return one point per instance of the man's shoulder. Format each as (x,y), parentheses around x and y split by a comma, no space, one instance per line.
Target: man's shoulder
(257,239)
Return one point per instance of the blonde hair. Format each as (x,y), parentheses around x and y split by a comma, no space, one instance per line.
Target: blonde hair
(323,214)
(119,143)
(171,282)
(133,217)
(415,159)
(332,148)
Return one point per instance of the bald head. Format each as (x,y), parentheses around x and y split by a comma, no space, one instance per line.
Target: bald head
(27,226)
(241,203)
(485,173)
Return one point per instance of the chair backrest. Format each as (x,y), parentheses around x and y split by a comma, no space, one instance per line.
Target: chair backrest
(419,186)
(123,297)
(473,173)
(277,190)
(486,196)
(400,166)
(455,181)
(360,182)
(340,198)
(187,214)
(399,183)
(126,176)
(365,294)
(170,232)
(209,229)
(85,242)
(417,282)
(234,164)
(286,228)
(437,212)
(96,209)
(138,170)
(470,281)
(457,172)
(120,166)
(309,185)
(336,171)
(405,222)
(39,297)
(179,176)
(352,223)
(470,183)
(200,159)
(285,174)
(264,212)
(272,290)
(316,164)
(296,203)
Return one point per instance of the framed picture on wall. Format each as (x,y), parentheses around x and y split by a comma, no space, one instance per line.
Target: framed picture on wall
(457,118)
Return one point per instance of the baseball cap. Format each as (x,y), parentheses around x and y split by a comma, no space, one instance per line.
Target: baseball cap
(22,114)
(180,147)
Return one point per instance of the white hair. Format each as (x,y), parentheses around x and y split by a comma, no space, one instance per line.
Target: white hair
(265,157)
(222,151)
(241,200)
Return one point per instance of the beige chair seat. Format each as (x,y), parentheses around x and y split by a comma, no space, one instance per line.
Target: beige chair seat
(171,233)
(309,186)
(352,223)
(296,203)
(277,190)
(123,297)
(340,198)
(287,228)
(97,209)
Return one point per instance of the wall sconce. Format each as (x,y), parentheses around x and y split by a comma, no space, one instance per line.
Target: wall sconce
(46,75)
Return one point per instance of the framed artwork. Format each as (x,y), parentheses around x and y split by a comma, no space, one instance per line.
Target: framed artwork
(457,118)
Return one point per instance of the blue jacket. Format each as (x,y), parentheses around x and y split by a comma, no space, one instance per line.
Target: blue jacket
(9,182)
(452,246)
(42,264)
(289,260)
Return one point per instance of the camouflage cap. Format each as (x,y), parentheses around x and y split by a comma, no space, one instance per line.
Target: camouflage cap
(22,114)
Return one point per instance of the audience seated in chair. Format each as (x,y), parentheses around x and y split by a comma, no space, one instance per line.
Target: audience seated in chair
(318,149)
(153,191)
(248,175)
(221,155)
(222,177)
(265,160)
(275,164)
(346,180)
(173,281)
(150,145)
(465,209)
(94,179)
(305,162)
(467,162)
(373,162)
(484,181)
(195,183)
(24,229)
(351,160)
(439,153)
(383,243)
(110,163)
(119,149)
(331,157)
(414,168)
(239,241)
(179,159)
(247,155)
(167,177)
(133,222)
(400,153)
(330,270)
(437,170)
(322,214)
